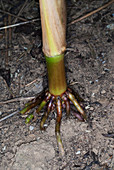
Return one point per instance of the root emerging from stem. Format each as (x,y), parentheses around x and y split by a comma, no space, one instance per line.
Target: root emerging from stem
(52,102)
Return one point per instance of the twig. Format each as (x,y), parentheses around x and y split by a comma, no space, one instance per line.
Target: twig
(6,43)
(91,13)
(5,12)
(17,99)
(18,24)
(10,31)
(74,82)
(10,36)
(31,83)
(21,10)
(6,117)
(77,20)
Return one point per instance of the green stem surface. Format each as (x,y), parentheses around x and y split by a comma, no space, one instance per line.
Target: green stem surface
(56,74)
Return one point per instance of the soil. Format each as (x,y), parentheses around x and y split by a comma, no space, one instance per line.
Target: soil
(89,64)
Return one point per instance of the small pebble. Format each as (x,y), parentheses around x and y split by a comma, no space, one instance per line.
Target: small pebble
(9,53)
(103,72)
(110,26)
(88,131)
(103,62)
(95,151)
(102,54)
(16,74)
(93,95)
(45,125)
(18,70)
(25,48)
(78,152)
(4,148)
(0,113)
(91,108)
(11,75)
(87,107)
(21,91)
(96,80)
(103,92)
(31,127)
(91,82)
(38,138)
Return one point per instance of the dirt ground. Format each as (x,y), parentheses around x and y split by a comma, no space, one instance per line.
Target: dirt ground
(89,64)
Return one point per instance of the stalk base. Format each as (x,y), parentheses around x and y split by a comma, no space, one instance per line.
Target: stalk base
(55,102)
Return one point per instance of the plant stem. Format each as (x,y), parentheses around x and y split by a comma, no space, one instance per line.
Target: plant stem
(56,74)
(53,20)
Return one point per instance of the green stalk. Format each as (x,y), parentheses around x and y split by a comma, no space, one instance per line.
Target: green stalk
(56,74)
